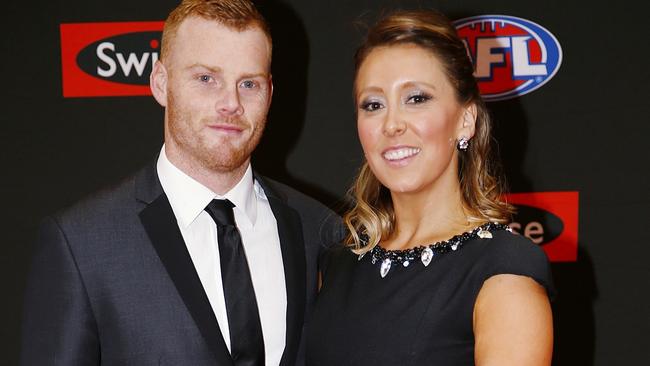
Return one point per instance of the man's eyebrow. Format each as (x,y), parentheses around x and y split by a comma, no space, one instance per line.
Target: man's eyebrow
(217,70)
(255,75)
(206,67)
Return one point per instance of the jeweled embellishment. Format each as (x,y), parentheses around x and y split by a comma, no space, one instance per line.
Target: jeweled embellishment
(427,256)
(484,234)
(385,267)
(387,258)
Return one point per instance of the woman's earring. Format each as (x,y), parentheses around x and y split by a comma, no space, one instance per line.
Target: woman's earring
(463,144)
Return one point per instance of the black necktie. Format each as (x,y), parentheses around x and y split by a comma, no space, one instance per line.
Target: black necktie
(246,342)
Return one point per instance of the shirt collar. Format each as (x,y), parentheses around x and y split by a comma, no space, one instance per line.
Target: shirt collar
(189,198)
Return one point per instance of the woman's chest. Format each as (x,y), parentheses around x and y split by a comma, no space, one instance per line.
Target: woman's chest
(414,315)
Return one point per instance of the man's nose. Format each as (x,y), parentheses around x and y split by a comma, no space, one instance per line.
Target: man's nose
(229,103)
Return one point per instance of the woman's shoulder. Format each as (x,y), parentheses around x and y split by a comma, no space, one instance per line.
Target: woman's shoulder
(510,253)
(507,245)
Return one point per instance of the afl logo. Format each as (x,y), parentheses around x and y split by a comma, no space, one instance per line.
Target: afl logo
(512,56)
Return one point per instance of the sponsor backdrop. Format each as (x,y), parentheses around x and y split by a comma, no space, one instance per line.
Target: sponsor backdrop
(566,84)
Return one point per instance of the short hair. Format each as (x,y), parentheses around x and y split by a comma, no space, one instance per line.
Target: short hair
(482,186)
(239,15)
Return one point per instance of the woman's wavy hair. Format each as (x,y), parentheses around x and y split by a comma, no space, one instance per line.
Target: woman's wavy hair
(372,218)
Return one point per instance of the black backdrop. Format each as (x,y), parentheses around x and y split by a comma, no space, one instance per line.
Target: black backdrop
(584,131)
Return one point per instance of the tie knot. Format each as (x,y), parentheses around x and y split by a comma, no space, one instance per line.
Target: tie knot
(221,212)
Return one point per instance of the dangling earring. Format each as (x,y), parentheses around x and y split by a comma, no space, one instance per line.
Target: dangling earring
(463,144)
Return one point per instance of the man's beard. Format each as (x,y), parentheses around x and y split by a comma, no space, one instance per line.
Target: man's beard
(222,158)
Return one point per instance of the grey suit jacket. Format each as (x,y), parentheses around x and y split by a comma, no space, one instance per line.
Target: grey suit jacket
(112,282)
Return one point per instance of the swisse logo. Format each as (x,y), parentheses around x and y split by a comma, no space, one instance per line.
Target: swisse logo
(512,56)
(542,227)
(120,59)
(549,219)
(108,59)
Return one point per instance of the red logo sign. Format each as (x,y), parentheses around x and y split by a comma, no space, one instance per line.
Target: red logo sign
(549,219)
(108,59)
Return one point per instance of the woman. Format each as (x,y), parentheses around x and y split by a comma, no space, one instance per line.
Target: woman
(431,274)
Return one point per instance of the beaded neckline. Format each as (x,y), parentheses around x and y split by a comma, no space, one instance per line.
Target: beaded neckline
(406,257)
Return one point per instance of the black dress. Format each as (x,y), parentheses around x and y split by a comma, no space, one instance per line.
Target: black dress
(415,315)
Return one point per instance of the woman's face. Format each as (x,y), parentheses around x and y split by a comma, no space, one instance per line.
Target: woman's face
(408,118)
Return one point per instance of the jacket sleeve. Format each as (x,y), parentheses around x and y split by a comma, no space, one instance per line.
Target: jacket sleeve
(58,326)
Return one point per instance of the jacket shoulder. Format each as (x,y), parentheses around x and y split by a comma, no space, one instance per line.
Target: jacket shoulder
(316,217)
(107,205)
(294,197)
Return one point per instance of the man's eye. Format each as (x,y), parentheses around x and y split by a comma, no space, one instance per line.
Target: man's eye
(205,78)
(371,106)
(418,98)
(249,84)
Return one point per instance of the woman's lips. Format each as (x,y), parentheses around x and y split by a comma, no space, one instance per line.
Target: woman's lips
(400,153)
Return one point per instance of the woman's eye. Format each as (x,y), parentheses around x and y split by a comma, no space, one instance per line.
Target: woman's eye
(371,106)
(249,84)
(418,98)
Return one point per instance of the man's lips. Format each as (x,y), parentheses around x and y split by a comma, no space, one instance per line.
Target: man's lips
(225,127)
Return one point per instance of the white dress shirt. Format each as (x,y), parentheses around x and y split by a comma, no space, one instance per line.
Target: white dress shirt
(259,232)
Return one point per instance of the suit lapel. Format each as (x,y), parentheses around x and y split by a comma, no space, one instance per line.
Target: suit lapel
(161,225)
(293,257)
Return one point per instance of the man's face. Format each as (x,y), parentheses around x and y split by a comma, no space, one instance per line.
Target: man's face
(216,87)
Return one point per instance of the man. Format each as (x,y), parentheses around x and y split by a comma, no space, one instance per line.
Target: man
(195,260)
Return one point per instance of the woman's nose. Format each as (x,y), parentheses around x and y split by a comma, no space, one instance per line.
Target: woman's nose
(394,125)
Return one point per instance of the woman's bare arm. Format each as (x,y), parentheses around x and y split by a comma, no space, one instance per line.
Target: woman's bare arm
(513,324)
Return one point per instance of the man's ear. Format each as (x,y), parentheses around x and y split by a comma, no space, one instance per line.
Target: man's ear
(271,90)
(468,122)
(158,83)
